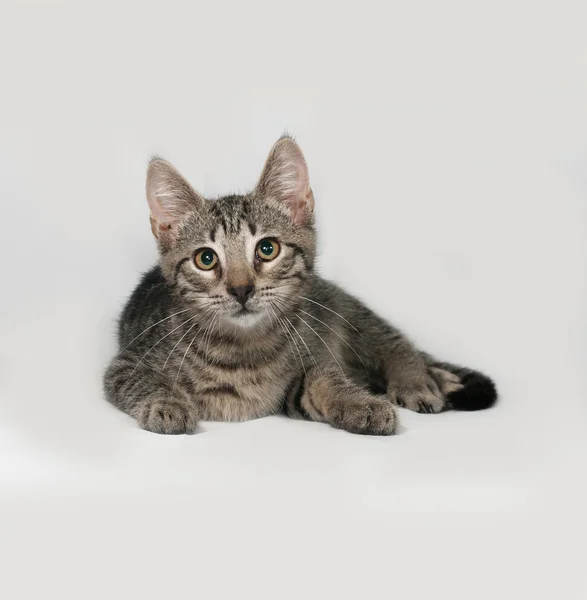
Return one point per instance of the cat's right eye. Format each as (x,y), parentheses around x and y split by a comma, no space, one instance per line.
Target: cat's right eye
(206,259)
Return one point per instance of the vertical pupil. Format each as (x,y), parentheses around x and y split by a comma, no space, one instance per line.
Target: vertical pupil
(207,257)
(266,247)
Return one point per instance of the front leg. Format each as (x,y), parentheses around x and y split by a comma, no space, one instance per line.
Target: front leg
(330,397)
(148,396)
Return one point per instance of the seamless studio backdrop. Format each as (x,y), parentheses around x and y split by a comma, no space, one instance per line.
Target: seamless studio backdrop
(448,157)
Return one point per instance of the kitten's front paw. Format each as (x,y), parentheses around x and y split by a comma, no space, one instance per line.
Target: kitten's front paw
(369,417)
(168,416)
(423,396)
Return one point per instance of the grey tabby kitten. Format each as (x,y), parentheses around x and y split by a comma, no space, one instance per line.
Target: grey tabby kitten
(235,324)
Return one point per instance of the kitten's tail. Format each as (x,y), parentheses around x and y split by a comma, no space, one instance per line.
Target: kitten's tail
(478,391)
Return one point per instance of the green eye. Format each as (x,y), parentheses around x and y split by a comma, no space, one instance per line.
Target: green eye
(267,249)
(206,259)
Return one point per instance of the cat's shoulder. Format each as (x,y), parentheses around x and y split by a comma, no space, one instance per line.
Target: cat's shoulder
(153,278)
(152,291)
(322,288)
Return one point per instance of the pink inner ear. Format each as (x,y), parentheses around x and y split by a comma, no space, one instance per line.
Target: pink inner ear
(285,179)
(169,195)
(299,199)
(161,231)
(157,210)
(303,208)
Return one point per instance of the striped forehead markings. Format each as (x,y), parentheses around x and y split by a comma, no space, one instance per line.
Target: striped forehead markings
(231,212)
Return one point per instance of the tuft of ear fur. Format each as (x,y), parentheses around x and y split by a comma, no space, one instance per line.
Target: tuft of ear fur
(170,198)
(285,179)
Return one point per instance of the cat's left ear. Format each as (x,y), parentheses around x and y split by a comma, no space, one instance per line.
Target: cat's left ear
(171,198)
(285,179)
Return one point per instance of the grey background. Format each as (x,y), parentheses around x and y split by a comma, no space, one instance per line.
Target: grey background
(447,151)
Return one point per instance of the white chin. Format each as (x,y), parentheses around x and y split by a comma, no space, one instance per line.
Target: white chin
(247,319)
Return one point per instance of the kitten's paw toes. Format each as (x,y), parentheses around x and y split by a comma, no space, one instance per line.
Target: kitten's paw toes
(423,398)
(371,417)
(168,416)
(447,382)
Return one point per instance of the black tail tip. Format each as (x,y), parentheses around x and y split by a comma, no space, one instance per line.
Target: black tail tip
(478,393)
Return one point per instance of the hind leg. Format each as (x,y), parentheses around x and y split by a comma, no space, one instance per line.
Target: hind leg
(416,381)
(410,382)
(410,378)
(465,389)
(419,392)
(442,386)
(446,381)
(394,366)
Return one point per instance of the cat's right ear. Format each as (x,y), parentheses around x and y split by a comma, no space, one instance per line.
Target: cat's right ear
(171,198)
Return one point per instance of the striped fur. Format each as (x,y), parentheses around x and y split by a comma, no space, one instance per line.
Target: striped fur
(189,350)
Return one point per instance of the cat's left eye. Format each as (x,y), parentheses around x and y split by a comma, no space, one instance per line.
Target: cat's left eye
(267,249)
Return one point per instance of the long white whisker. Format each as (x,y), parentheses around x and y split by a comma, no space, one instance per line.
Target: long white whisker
(340,336)
(157,343)
(271,314)
(290,339)
(209,337)
(303,341)
(183,357)
(333,312)
(177,344)
(151,327)
(322,340)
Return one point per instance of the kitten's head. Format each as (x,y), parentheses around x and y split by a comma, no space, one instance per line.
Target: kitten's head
(241,258)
